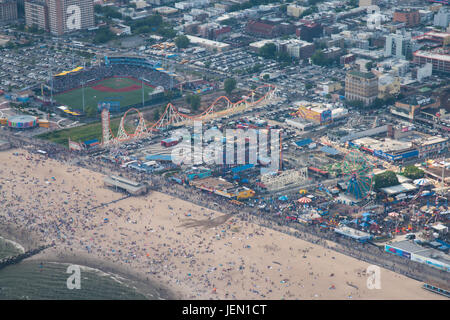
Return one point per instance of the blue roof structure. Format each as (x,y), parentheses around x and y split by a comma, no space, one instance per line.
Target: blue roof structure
(304,142)
(329,150)
(242,168)
(159,157)
(89,142)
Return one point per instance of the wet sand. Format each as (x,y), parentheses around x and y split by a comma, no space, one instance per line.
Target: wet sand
(191,251)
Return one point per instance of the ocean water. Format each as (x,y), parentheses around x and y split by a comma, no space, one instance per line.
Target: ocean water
(35,280)
(7,249)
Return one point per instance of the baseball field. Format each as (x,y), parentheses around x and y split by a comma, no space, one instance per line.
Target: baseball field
(127,91)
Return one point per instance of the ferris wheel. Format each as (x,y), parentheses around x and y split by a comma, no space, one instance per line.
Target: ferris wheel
(357,173)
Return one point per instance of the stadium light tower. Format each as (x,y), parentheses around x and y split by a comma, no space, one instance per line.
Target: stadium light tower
(51,86)
(142,88)
(82,93)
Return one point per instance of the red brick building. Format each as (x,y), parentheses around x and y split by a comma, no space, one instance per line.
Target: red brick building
(410,17)
(264,29)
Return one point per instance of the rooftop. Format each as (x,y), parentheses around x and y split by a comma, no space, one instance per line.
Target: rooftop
(432,55)
(365,75)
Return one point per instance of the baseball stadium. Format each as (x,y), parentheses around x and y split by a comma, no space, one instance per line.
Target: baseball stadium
(119,83)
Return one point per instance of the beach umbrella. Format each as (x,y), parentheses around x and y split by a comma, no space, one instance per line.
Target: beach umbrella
(393,214)
(304,200)
(303,191)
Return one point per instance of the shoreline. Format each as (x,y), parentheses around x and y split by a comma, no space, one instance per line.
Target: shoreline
(180,249)
(128,276)
(144,285)
(19,236)
(16,245)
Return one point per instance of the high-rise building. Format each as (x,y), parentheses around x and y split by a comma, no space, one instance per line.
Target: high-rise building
(70,15)
(60,16)
(361,86)
(442,18)
(398,45)
(36,14)
(8,10)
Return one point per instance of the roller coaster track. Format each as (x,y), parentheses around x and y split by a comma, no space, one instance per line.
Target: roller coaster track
(173,117)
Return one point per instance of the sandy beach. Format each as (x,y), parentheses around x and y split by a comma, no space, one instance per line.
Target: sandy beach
(190,252)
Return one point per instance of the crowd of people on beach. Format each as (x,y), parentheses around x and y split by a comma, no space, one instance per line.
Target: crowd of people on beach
(71,209)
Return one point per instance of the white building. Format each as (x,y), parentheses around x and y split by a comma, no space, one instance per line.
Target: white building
(442,18)
(398,45)
(209,44)
(424,72)
(294,10)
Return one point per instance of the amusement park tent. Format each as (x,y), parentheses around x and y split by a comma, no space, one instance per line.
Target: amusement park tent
(283,198)
(364,224)
(421,182)
(404,187)
(304,200)
(366,214)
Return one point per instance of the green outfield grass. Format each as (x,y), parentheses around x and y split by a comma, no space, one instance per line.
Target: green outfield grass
(83,133)
(92,97)
(79,134)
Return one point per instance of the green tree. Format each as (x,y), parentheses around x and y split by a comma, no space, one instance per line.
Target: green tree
(269,51)
(168,95)
(195,101)
(229,85)
(413,172)
(229,22)
(156,115)
(385,179)
(319,58)
(182,42)
(355,103)
(284,57)
(266,77)
(103,35)
(378,103)
(167,32)
(91,111)
(369,65)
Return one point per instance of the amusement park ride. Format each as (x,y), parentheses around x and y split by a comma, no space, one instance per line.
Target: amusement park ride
(357,173)
(173,117)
